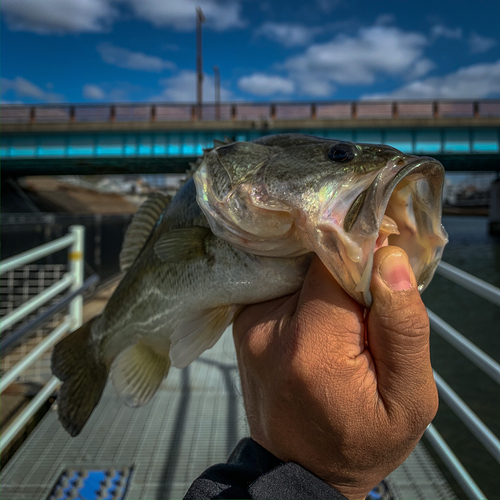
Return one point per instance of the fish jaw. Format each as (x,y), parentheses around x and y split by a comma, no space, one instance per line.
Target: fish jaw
(401,206)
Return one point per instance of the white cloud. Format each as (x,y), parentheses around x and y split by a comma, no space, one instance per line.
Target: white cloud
(359,59)
(182,88)
(58,16)
(260,84)
(328,5)
(420,68)
(75,16)
(180,14)
(471,82)
(289,35)
(124,58)
(94,92)
(317,87)
(24,88)
(479,44)
(439,30)
(385,19)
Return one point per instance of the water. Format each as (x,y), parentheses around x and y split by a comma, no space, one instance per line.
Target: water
(471,249)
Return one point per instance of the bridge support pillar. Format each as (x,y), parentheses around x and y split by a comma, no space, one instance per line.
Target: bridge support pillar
(494,217)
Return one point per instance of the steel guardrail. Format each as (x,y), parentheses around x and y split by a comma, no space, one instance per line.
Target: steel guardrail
(469,418)
(480,359)
(34,354)
(38,401)
(74,279)
(33,304)
(469,282)
(36,253)
(458,471)
(7,344)
(239,111)
(465,346)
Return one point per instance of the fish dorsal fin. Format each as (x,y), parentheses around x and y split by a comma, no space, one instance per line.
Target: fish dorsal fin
(199,333)
(141,227)
(182,245)
(137,372)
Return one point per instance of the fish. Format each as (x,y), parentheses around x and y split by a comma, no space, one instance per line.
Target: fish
(244,230)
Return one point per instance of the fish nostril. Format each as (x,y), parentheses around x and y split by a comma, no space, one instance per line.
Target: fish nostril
(400,162)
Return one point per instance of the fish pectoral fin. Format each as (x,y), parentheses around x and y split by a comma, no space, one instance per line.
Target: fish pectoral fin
(83,377)
(141,227)
(137,373)
(182,245)
(199,333)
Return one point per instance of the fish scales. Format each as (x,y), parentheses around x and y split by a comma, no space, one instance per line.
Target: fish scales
(243,231)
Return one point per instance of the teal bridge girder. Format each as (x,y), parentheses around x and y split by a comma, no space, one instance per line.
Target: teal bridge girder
(155,138)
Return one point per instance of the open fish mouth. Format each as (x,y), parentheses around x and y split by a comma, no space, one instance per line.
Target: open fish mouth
(401,207)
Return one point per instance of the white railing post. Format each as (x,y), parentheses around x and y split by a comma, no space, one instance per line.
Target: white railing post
(76,268)
(471,489)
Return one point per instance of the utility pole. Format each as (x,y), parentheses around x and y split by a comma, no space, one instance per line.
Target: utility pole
(200,19)
(217,92)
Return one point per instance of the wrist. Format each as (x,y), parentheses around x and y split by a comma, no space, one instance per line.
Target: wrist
(342,481)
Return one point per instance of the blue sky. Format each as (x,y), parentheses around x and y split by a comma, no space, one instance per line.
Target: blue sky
(144,50)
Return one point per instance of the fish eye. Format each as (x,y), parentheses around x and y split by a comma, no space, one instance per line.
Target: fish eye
(341,153)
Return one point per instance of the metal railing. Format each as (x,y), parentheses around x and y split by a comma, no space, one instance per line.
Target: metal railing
(73,280)
(324,110)
(455,403)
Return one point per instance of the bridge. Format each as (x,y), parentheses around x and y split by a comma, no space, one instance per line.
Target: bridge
(165,137)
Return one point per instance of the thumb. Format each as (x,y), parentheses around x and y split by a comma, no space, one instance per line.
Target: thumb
(398,334)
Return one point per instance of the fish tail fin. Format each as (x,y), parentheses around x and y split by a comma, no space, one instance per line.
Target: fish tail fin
(84,376)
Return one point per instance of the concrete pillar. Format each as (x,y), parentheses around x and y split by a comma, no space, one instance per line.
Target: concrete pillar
(494,217)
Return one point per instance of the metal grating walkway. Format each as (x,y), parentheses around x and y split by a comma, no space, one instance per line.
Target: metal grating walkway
(194,421)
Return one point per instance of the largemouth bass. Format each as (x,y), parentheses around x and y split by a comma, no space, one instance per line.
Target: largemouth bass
(243,231)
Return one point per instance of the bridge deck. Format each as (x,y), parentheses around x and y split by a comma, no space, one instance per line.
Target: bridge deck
(163,137)
(194,422)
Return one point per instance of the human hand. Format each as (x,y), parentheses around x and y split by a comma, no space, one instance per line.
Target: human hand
(317,394)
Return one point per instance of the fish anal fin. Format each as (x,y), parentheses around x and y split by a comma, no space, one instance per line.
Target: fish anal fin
(84,376)
(199,333)
(141,227)
(182,245)
(137,373)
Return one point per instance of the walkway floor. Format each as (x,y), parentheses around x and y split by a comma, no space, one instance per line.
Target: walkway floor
(195,421)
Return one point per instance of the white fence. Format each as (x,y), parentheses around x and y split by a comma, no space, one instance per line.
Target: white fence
(73,280)
(457,405)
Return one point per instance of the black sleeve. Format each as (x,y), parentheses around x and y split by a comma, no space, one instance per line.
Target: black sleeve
(254,473)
